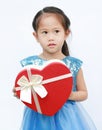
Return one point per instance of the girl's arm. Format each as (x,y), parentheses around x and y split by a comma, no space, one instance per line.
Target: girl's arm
(81,93)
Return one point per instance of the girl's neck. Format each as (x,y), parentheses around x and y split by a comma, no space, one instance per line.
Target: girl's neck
(46,56)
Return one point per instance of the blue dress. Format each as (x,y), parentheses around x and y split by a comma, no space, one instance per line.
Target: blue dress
(71,116)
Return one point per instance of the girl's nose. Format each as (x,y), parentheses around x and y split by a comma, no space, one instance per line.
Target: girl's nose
(51,37)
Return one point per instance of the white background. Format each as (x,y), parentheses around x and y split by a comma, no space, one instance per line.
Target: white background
(17,42)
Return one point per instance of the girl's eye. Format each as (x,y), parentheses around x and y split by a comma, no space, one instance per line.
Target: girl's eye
(56,31)
(44,32)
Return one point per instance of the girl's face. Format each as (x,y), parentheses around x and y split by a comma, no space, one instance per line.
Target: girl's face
(51,34)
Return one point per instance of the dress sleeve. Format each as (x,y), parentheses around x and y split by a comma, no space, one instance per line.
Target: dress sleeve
(26,61)
(23,63)
(77,65)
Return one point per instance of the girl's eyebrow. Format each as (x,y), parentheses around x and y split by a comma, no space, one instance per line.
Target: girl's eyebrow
(43,29)
(55,28)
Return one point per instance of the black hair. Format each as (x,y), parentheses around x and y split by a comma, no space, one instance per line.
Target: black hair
(64,19)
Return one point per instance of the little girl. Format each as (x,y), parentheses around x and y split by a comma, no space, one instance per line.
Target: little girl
(51,29)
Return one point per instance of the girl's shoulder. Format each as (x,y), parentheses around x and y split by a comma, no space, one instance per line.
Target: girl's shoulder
(73,63)
(73,60)
(31,60)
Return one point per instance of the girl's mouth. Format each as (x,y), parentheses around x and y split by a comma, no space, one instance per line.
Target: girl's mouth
(51,45)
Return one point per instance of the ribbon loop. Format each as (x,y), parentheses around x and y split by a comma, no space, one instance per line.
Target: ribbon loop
(26,87)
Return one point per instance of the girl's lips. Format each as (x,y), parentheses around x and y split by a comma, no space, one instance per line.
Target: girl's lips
(51,44)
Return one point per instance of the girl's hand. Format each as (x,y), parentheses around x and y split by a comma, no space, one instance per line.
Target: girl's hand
(78,95)
(14,92)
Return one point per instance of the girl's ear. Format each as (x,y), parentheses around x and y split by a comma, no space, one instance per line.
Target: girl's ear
(67,34)
(35,35)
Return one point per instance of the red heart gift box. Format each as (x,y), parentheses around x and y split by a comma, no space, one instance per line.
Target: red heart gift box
(46,89)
